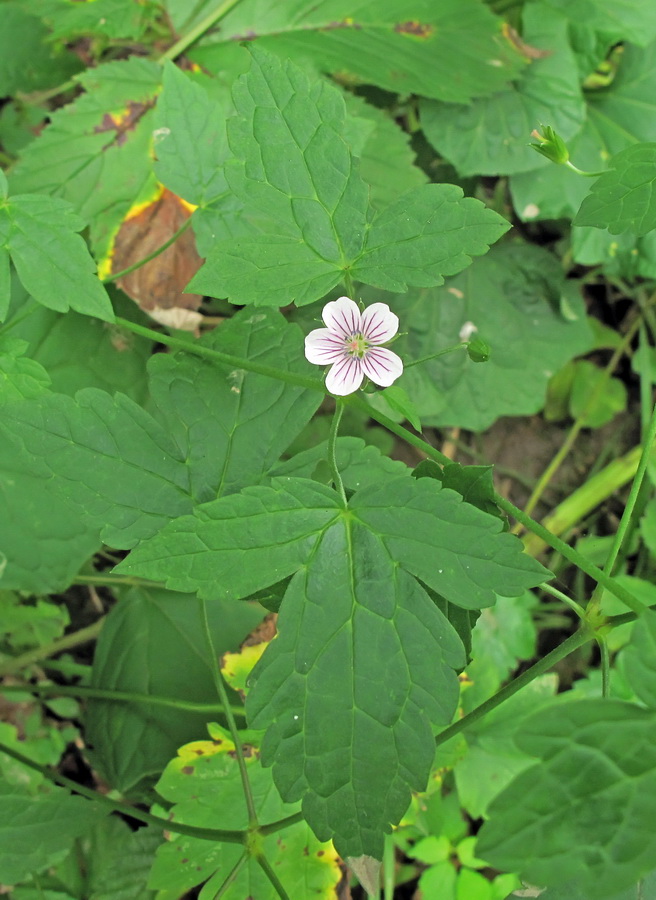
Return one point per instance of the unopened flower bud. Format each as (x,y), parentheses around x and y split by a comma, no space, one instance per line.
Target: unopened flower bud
(478,350)
(550,145)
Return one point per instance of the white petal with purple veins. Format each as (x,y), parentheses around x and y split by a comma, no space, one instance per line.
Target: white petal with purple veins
(342,317)
(382,366)
(322,347)
(345,376)
(379,323)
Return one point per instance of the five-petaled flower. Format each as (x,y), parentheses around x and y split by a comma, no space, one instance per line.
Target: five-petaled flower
(351,343)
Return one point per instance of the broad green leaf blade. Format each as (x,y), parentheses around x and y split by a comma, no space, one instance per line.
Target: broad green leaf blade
(359,464)
(153,643)
(429,232)
(511,296)
(246,419)
(52,261)
(293,164)
(386,157)
(37,831)
(237,545)
(455,548)
(27,61)
(492,136)
(623,198)
(104,455)
(619,20)
(204,785)
(363,663)
(639,659)
(622,113)
(584,813)
(42,545)
(96,152)
(5,283)
(401,48)
(113,19)
(118,860)
(190,138)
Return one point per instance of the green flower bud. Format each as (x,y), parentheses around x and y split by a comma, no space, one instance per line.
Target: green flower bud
(551,145)
(478,350)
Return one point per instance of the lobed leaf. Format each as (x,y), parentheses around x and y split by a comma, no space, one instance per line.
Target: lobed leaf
(622,199)
(52,261)
(293,167)
(583,813)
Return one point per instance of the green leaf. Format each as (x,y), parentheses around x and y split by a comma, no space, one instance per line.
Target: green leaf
(153,643)
(24,626)
(622,113)
(27,61)
(622,199)
(399,48)
(190,138)
(37,831)
(354,776)
(112,19)
(78,351)
(512,296)
(619,20)
(583,813)
(429,232)
(52,261)
(203,782)
(246,419)
(96,151)
(639,659)
(643,889)
(491,136)
(293,167)
(609,401)
(343,563)
(359,464)
(386,158)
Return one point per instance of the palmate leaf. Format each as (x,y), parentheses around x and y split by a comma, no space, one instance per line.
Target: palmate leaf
(624,198)
(117,472)
(294,169)
(52,261)
(399,46)
(204,785)
(584,814)
(364,660)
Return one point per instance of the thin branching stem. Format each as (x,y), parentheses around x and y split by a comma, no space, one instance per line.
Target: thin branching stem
(66,642)
(219,684)
(332,451)
(198,30)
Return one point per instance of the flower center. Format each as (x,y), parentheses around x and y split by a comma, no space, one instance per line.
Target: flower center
(356,345)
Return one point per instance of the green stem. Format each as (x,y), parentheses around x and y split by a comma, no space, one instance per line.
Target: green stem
(605,666)
(198,30)
(219,684)
(266,867)
(348,285)
(81,691)
(36,98)
(568,646)
(64,643)
(208,834)
(578,171)
(415,362)
(142,262)
(127,580)
(332,451)
(225,359)
(573,605)
(579,424)
(272,827)
(388,868)
(414,440)
(232,875)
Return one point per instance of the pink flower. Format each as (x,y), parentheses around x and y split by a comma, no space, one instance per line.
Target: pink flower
(351,345)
